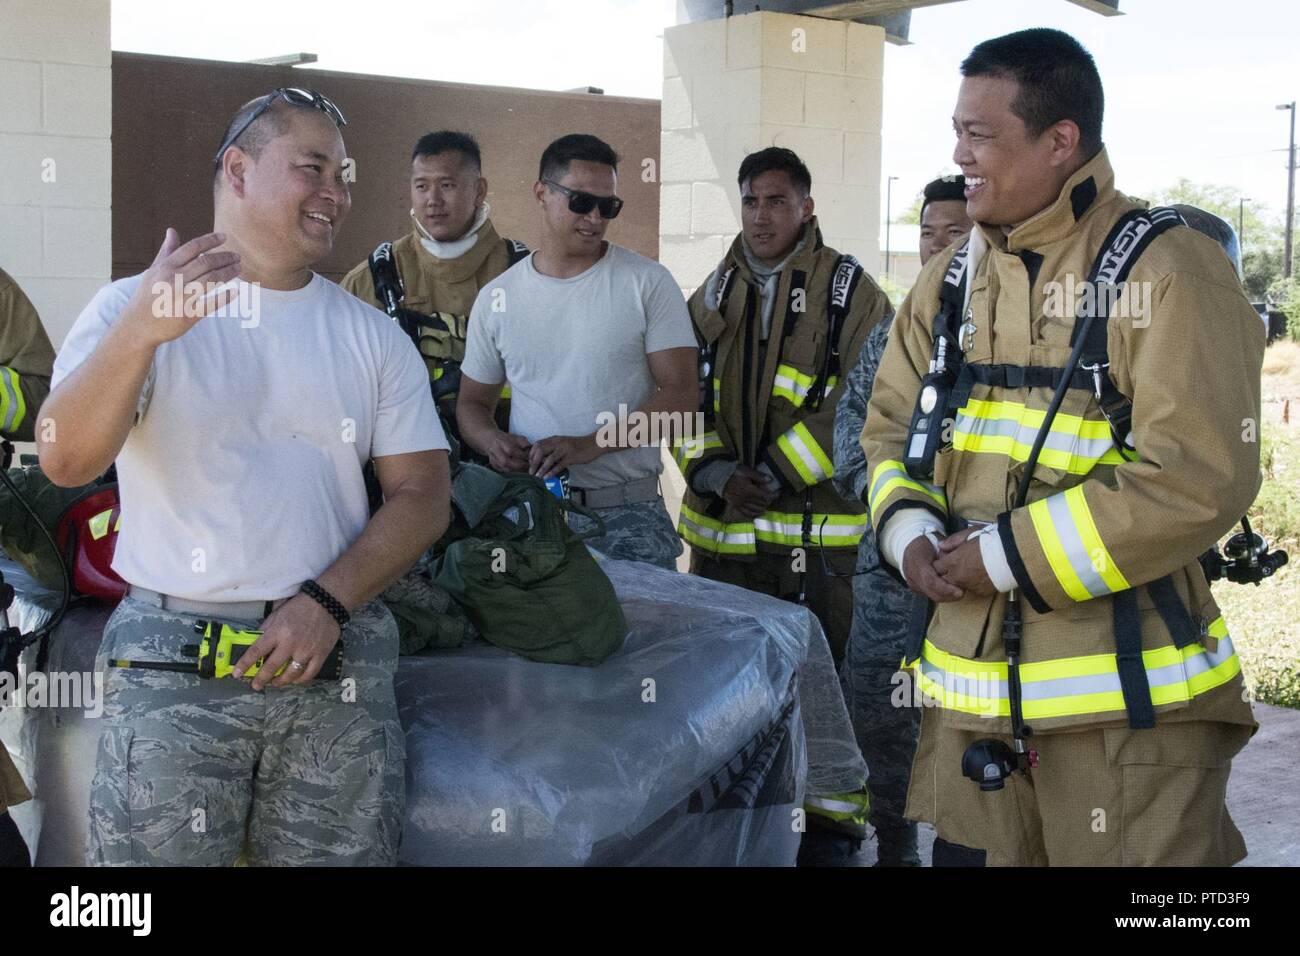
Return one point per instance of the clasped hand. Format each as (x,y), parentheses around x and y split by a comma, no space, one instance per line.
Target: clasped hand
(949,573)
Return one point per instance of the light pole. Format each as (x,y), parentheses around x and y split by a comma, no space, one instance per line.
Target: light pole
(1241,224)
(1290,192)
(889,189)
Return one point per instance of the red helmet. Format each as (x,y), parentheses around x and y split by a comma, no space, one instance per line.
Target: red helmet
(87,536)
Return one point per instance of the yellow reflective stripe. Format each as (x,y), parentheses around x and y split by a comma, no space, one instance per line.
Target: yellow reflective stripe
(717,396)
(1102,562)
(785,528)
(801,379)
(807,457)
(505,391)
(1078,557)
(13,407)
(953,696)
(709,534)
(891,475)
(1073,444)
(793,385)
(841,806)
(694,447)
(98,525)
(1070,687)
(117,525)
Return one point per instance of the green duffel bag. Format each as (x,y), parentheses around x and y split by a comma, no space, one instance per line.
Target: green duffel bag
(524,578)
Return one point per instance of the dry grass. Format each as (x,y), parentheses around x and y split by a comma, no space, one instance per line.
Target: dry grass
(1282,372)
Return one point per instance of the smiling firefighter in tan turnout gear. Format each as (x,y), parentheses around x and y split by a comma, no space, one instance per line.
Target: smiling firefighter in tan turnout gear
(1125,675)
(452,251)
(780,322)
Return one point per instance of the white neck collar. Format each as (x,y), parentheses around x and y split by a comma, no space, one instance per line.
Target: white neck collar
(456,247)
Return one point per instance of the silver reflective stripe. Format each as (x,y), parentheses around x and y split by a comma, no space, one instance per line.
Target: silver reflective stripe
(840,530)
(884,477)
(1072,545)
(778,527)
(892,473)
(1074,686)
(972,685)
(796,528)
(958,683)
(784,381)
(836,806)
(1206,660)
(712,534)
(801,449)
(1061,441)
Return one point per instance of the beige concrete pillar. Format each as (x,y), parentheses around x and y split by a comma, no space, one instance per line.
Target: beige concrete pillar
(55,154)
(768,79)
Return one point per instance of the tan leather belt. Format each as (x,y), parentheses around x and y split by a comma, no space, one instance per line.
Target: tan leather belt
(611,496)
(243,610)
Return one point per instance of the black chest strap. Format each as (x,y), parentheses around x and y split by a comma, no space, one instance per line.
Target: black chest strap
(389,288)
(844,280)
(516,251)
(709,353)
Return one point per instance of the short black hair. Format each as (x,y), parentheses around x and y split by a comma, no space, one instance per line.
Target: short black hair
(446,141)
(775,159)
(583,146)
(944,189)
(1057,77)
(273,122)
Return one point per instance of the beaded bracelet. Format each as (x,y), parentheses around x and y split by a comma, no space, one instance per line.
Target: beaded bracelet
(327,601)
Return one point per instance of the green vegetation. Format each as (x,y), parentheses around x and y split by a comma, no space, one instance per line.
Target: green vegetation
(1265,621)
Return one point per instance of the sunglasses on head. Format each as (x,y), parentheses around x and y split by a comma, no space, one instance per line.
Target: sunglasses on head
(583,203)
(294,95)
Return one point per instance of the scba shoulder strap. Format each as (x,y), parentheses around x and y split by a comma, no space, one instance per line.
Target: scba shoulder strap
(389,288)
(935,401)
(1124,245)
(843,283)
(709,350)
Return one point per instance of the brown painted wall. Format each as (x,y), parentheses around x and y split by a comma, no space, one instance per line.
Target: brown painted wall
(169,114)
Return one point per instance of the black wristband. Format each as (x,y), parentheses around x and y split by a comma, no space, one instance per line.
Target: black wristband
(327,601)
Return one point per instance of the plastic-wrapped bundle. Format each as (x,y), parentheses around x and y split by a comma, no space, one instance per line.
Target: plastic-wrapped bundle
(686,747)
(54,748)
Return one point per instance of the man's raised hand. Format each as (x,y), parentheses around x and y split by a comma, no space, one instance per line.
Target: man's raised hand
(180,287)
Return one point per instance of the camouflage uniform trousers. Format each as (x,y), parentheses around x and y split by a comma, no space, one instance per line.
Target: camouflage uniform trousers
(187,768)
(637,532)
(873,688)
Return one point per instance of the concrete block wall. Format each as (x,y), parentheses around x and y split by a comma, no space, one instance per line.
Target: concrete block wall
(55,155)
(767,79)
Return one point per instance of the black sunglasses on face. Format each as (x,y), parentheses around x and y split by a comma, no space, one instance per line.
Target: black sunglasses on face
(292,94)
(583,203)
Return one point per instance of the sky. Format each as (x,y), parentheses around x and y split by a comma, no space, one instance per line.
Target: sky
(1191,85)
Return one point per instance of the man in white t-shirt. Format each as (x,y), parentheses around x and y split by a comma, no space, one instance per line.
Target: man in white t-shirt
(599,350)
(240,424)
